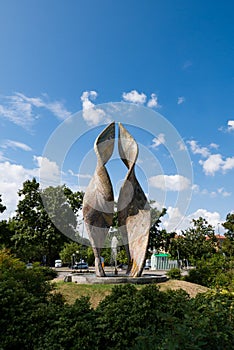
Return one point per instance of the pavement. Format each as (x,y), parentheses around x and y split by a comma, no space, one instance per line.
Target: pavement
(89,277)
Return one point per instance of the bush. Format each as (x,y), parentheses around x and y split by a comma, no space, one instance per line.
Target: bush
(129,318)
(174,273)
(216,272)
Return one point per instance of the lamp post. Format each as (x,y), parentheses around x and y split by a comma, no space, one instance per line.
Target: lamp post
(73,259)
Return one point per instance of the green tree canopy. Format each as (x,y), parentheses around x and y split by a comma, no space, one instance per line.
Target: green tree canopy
(229,226)
(159,238)
(42,218)
(196,242)
(2,207)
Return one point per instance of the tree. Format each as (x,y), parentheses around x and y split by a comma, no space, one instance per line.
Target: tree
(67,252)
(5,232)
(42,218)
(2,207)
(229,226)
(159,238)
(196,242)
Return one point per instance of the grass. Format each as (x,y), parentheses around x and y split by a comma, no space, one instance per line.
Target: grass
(71,291)
(97,292)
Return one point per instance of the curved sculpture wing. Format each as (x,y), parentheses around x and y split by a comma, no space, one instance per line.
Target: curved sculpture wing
(98,202)
(133,207)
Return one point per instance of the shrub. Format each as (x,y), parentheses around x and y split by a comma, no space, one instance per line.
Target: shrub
(216,272)
(174,274)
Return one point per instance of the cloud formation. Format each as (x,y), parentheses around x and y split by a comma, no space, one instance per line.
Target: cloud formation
(215,163)
(23,110)
(134,97)
(180,100)
(159,140)
(230,125)
(170,182)
(196,149)
(15,144)
(175,219)
(91,114)
(153,101)
(12,178)
(48,171)
(181,145)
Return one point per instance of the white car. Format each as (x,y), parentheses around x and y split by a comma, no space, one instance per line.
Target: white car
(58,263)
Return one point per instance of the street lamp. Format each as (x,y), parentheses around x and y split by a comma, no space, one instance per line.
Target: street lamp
(73,259)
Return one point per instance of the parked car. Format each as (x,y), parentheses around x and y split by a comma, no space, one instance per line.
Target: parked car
(29,265)
(58,263)
(80,266)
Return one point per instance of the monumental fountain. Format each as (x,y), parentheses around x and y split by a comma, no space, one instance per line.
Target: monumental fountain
(133,212)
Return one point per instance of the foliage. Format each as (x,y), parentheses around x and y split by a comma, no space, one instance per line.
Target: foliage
(72,328)
(216,271)
(228,244)
(2,207)
(228,247)
(159,238)
(24,303)
(68,250)
(229,226)
(196,242)
(174,273)
(5,234)
(34,280)
(35,235)
(89,255)
(129,318)
(122,256)
(81,253)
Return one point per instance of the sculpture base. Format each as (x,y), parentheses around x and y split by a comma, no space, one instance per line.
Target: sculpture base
(113,279)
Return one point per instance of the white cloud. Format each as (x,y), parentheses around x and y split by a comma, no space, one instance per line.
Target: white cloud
(49,172)
(213,218)
(197,149)
(56,107)
(23,110)
(17,111)
(220,192)
(212,164)
(15,145)
(159,140)
(12,178)
(2,157)
(195,188)
(223,192)
(170,182)
(228,164)
(91,114)
(214,145)
(174,220)
(215,163)
(181,145)
(230,125)
(81,176)
(180,100)
(153,101)
(135,97)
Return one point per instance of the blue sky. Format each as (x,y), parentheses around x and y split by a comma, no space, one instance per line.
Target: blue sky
(62,60)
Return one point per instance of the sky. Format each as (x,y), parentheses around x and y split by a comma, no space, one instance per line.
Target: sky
(165,69)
